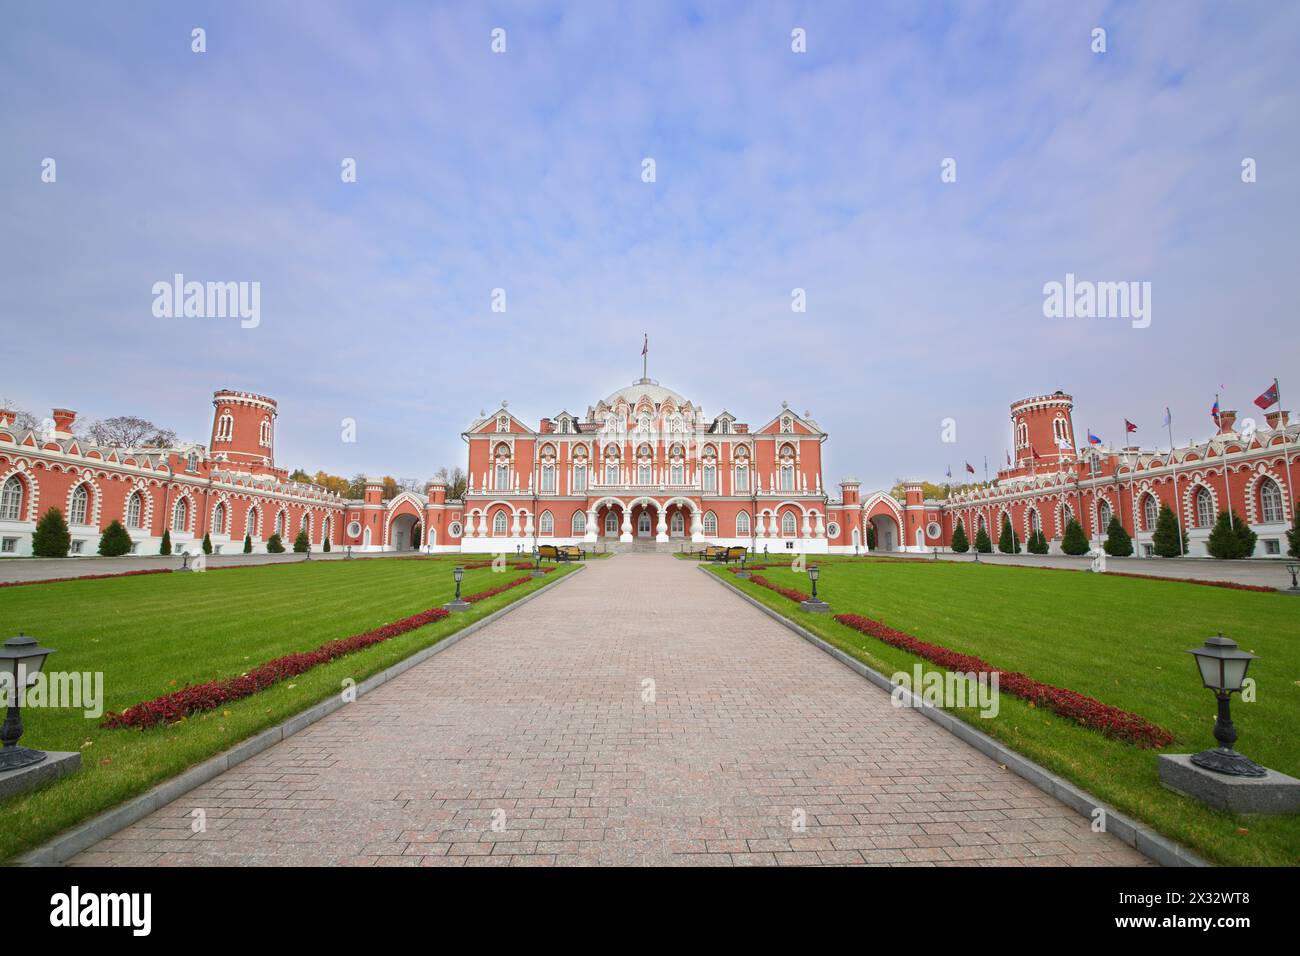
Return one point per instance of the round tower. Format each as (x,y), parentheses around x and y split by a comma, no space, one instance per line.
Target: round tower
(1039,425)
(243,428)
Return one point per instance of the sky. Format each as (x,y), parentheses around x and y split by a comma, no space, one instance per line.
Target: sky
(774,170)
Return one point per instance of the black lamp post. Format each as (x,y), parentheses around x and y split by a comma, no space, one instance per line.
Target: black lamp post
(1223,670)
(1293,569)
(456,604)
(348,554)
(855,550)
(765,551)
(815,605)
(21,659)
(936,554)
(744,558)
(537,562)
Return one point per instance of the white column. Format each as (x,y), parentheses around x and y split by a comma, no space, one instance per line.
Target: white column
(590,535)
(697,524)
(821,526)
(661,529)
(760,526)
(528,525)
(514,525)
(627,525)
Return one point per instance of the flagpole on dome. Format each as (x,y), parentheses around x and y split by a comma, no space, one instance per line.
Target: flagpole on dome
(1286,450)
(1178,508)
(1132,499)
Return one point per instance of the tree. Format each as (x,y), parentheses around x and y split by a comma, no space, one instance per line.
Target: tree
(128,431)
(274,545)
(1293,536)
(51,539)
(325,545)
(1231,538)
(300,544)
(959,543)
(207,543)
(166,546)
(1118,543)
(871,536)
(1164,540)
(1038,543)
(114,541)
(1074,541)
(248,544)
(1008,540)
(982,543)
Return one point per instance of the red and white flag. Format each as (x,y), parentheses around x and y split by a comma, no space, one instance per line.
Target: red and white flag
(1129,427)
(1269,397)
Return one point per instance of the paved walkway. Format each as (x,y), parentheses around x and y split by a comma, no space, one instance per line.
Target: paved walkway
(1267,572)
(530,743)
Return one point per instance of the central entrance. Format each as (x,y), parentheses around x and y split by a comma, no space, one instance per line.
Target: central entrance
(643,529)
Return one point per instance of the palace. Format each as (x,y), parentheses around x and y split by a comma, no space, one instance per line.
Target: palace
(643,469)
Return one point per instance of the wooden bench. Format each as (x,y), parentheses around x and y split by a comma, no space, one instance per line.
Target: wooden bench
(571,552)
(713,552)
(734,554)
(549,552)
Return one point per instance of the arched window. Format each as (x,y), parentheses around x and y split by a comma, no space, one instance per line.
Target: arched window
(1035,521)
(502,476)
(580,478)
(225,426)
(787,425)
(11,500)
(1022,434)
(789,528)
(1270,501)
(1103,515)
(266,432)
(643,471)
(219,518)
(548,478)
(611,522)
(503,423)
(181,514)
(545,523)
(787,477)
(80,505)
(279,524)
(250,526)
(742,524)
(742,480)
(677,473)
(134,510)
(677,525)
(325,530)
(1066,517)
(1204,508)
(499,524)
(710,478)
(980,524)
(710,523)
(580,522)
(1150,511)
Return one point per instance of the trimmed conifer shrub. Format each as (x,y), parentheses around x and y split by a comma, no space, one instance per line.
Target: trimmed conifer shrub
(274,545)
(325,545)
(1038,543)
(959,543)
(166,546)
(1008,540)
(1230,538)
(207,543)
(1074,541)
(51,539)
(1118,543)
(300,544)
(1165,539)
(1293,536)
(982,543)
(114,541)
(248,544)
(871,536)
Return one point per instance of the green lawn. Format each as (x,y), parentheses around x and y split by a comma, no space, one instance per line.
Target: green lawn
(153,634)
(1120,640)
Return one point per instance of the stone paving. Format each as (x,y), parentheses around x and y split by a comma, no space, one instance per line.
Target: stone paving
(537,741)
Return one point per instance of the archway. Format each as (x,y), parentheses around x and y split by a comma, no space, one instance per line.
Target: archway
(887,533)
(404,533)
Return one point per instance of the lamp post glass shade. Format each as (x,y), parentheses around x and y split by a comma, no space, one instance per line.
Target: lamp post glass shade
(458,573)
(21,659)
(1222,664)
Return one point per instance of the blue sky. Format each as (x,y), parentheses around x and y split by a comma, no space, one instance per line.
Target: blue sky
(775,171)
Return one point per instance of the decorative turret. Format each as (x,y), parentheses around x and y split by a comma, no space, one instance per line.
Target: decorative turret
(1039,425)
(243,428)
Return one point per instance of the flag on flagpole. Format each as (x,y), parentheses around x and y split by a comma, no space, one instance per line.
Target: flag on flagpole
(1129,427)
(1008,459)
(1064,445)
(1093,439)
(645,346)
(1269,397)
(1214,412)
(969,468)
(949,471)
(1168,418)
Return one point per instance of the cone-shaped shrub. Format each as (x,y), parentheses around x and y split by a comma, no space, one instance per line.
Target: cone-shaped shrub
(300,544)
(959,543)
(51,539)
(248,544)
(982,543)
(166,546)
(1165,539)
(274,545)
(1118,543)
(1074,541)
(207,544)
(114,541)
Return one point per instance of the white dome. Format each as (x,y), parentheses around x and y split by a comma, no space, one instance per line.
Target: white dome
(648,387)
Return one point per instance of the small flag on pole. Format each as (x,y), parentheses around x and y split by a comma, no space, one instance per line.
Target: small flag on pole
(1064,445)
(645,346)
(1168,418)
(949,471)
(969,468)
(1214,412)
(1093,439)
(1269,397)
(1129,427)
(1008,458)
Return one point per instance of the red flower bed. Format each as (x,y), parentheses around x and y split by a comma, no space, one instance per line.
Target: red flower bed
(200,697)
(1085,711)
(87,577)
